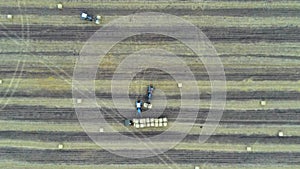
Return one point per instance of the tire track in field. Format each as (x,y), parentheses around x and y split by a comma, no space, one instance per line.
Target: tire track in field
(179,156)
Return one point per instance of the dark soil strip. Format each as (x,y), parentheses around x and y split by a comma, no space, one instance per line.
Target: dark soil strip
(179,156)
(232,74)
(41,113)
(76,54)
(231,95)
(110,137)
(64,53)
(227,34)
(75,12)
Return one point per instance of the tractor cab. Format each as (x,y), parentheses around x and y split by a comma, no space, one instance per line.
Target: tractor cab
(86,16)
(138,105)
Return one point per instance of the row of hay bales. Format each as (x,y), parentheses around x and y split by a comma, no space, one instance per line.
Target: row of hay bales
(150,122)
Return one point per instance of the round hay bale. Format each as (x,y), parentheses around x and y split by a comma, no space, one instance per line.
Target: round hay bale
(99,17)
(59,6)
(179,85)
(280,133)
(60,146)
(263,102)
(101,130)
(79,101)
(248,148)
(1,81)
(9,16)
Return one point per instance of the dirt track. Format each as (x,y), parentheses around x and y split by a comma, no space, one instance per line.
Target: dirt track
(179,156)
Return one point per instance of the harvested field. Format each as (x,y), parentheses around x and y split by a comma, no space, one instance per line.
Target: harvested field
(257,42)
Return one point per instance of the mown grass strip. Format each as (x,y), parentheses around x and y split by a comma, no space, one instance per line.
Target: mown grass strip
(120,50)
(6,164)
(202,5)
(108,103)
(52,84)
(179,146)
(270,130)
(200,21)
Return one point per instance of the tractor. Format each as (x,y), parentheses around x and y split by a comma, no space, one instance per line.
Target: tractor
(88,17)
(147,104)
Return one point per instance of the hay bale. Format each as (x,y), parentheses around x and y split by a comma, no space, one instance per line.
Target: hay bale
(142,125)
(145,105)
(137,125)
(135,121)
(147,120)
(148,124)
(179,85)
(79,101)
(59,6)
(142,121)
(101,130)
(60,146)
(152,124)
(280,133)
(9,16)
(1,81)
(165,124)
(197,167)
(155,124)
(248,148)
(263,102)
(99,17)
(160,124)
(165,119)
(160,120)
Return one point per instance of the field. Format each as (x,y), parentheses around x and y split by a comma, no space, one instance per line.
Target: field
(258,43)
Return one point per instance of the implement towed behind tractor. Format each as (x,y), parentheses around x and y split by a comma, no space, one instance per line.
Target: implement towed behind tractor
(147,122)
